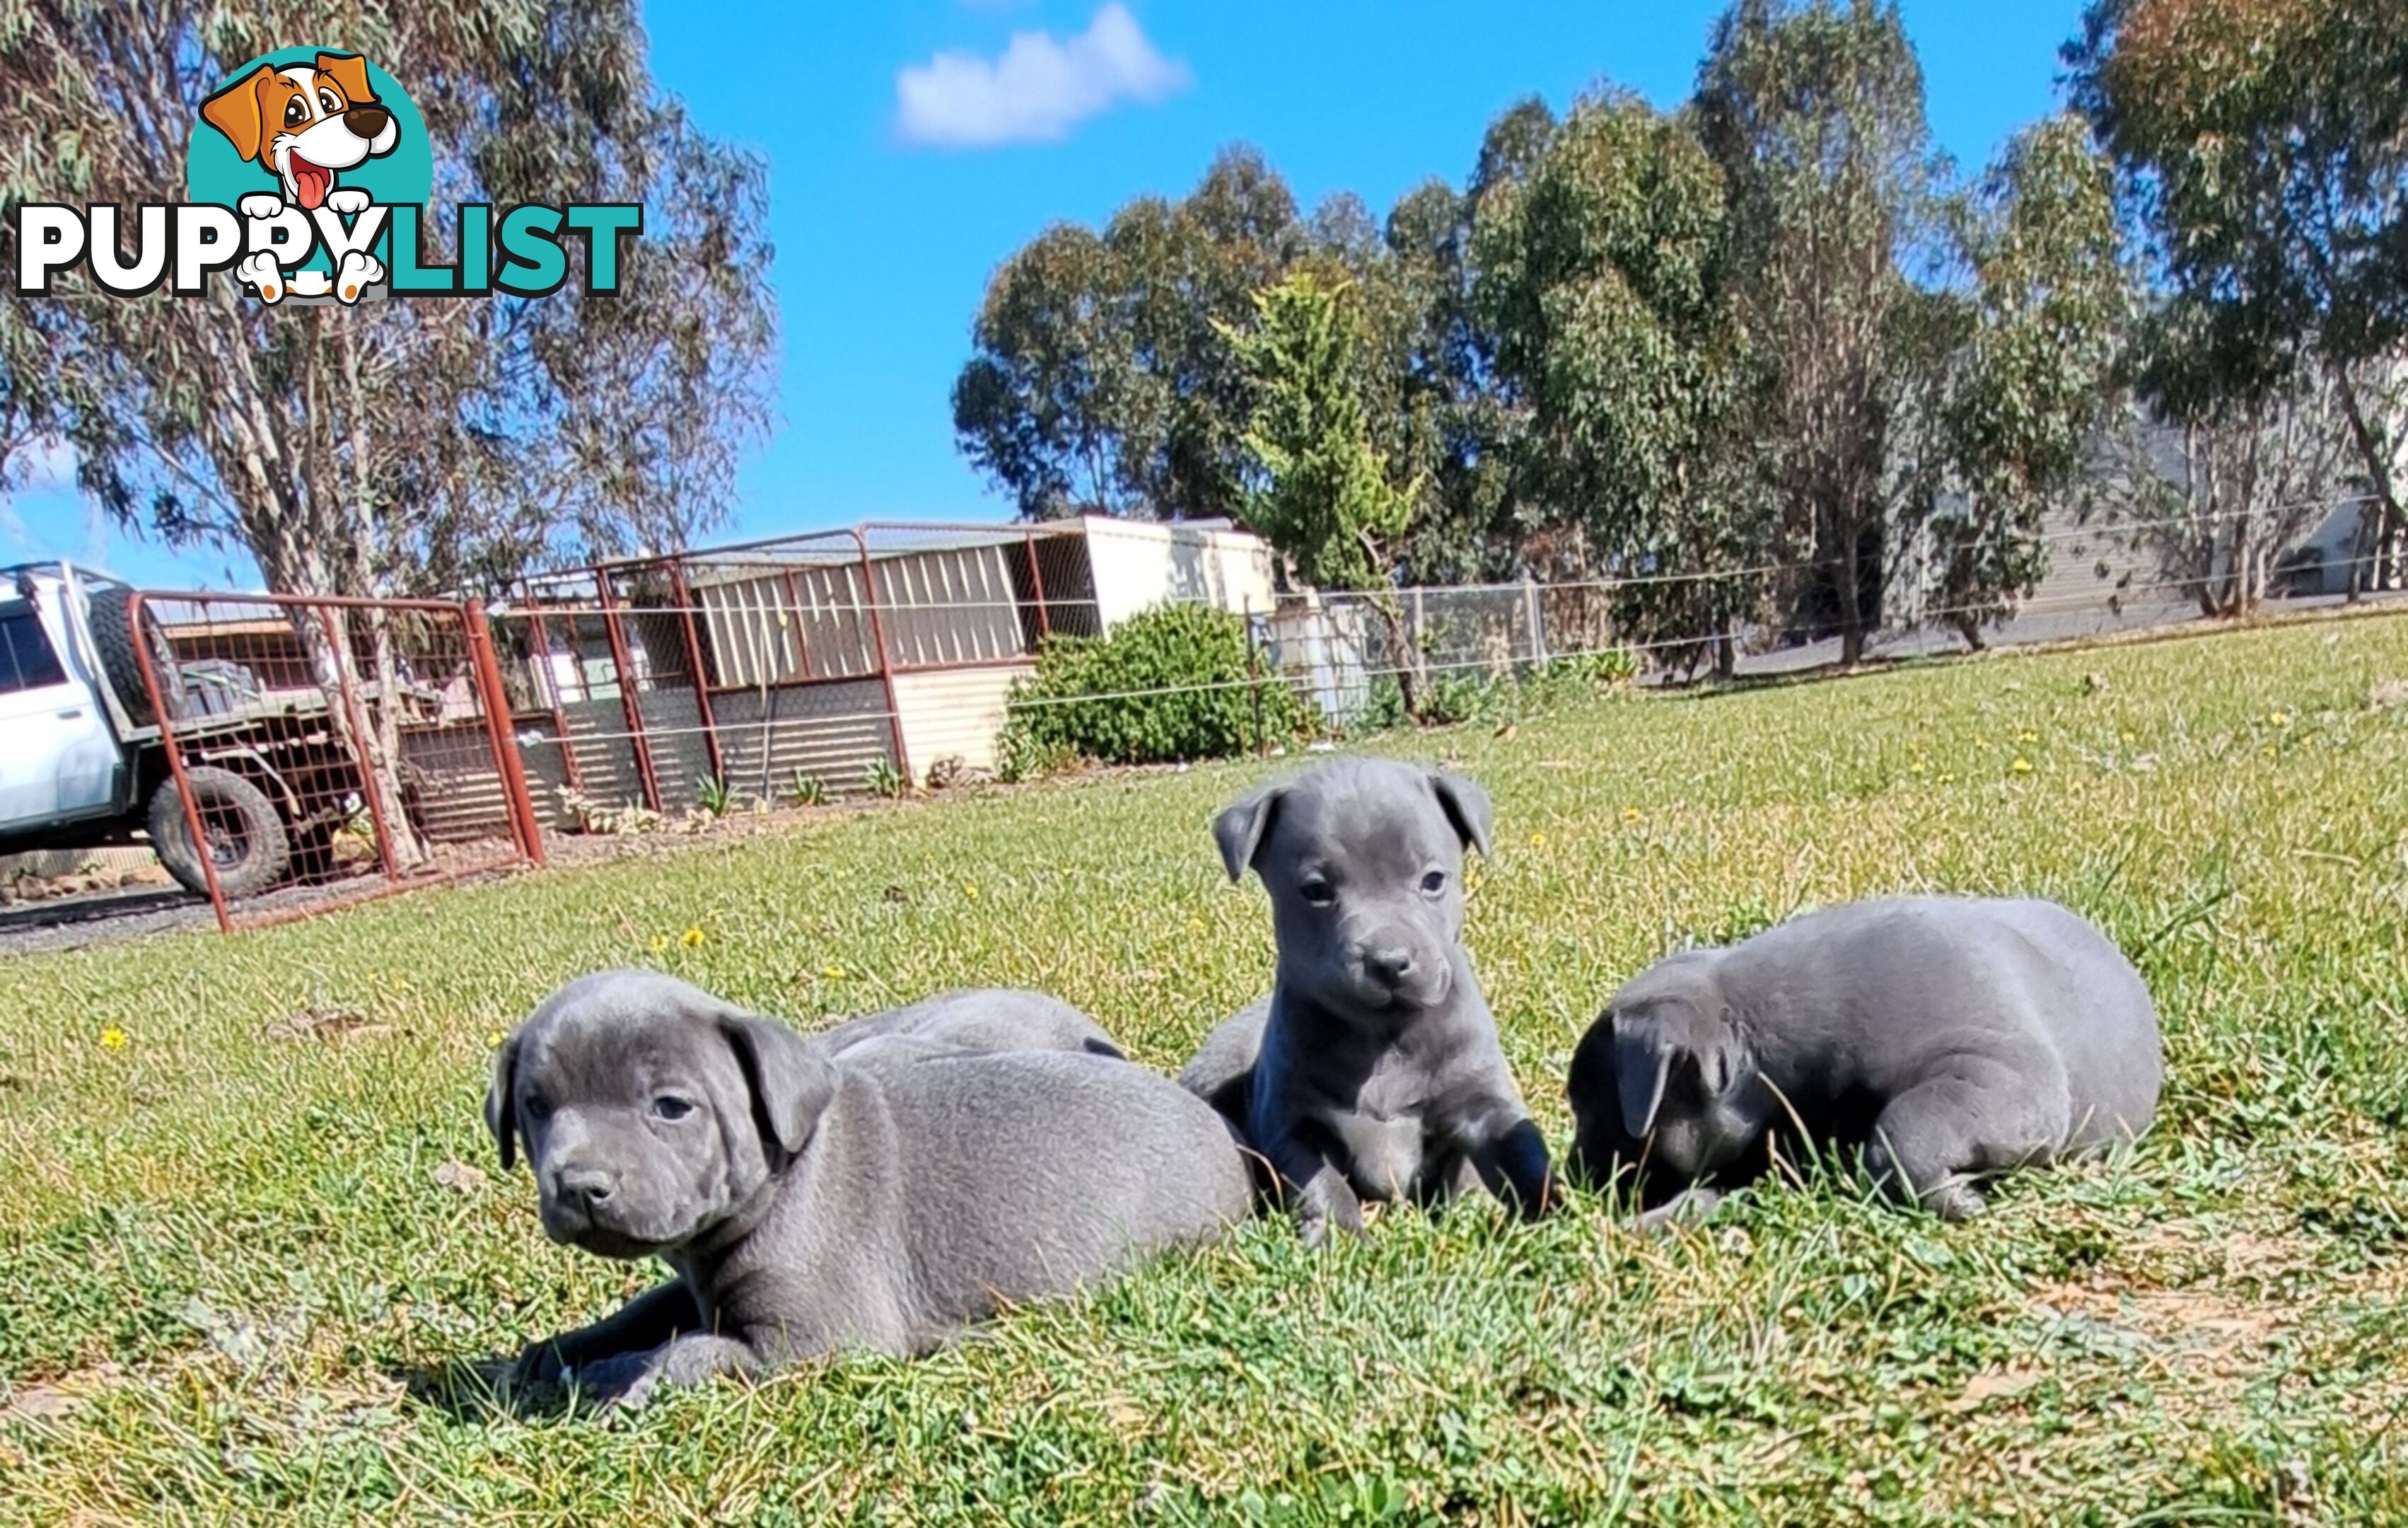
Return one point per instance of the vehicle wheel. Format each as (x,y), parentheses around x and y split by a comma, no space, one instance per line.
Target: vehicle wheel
(244,838)
(110,616)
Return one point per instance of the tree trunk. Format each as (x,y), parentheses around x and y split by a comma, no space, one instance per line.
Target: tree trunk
(364,722)
(1852,611)
(2374,453)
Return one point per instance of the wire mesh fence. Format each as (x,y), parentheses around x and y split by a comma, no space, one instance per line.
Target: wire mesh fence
(314,752)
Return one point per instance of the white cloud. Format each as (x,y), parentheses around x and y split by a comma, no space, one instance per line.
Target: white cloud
(1038,90)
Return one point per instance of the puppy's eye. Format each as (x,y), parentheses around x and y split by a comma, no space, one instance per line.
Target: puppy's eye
(1318,892)
(330,103)
(538,1106)
(295,112)
(1434,883)
(670,1106)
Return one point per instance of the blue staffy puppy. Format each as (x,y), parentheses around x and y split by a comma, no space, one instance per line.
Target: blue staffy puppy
(991,1018)
(1950,1038)
(1373,1069)
(808,1198)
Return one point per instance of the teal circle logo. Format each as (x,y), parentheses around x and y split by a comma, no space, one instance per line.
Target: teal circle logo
(301,122)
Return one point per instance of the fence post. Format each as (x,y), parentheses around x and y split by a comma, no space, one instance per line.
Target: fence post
(136,611)
(638,740)
(497,707)
(886,659)
(701,681)
(1530,610)
(551,687)
(338,638)
(1255,675)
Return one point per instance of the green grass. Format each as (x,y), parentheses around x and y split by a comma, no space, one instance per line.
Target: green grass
(231,1252)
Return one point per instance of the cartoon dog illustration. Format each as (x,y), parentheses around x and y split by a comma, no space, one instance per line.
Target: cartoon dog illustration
(304,125)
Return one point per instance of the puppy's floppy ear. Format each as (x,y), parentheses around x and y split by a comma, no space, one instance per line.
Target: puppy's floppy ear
(1242,828)
(501,1113)
(1668,1040)
(791,1080)
(351,72)
(1642,1065)
(1466,805)
(236,111)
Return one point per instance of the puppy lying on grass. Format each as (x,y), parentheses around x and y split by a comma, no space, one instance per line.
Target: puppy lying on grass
(1373,1070)
(810,1198)
(1950,1038)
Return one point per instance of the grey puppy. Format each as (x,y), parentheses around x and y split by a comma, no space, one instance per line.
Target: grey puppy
(1950,1038)
(980,1018)
(808,1199)
(1373,1070)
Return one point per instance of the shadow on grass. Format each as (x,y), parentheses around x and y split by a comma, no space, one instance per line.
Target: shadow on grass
(479,1389)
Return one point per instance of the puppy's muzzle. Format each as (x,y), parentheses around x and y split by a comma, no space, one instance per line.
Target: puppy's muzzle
(579,1197)
(1397,972)
(367,121)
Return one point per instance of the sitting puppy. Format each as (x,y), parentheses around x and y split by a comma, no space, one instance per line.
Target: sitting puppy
(1950,1038)
(980,1018)
(1373,1070)
(807,1200)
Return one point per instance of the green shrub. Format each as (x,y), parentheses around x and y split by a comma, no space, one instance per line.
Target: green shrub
(1167,684)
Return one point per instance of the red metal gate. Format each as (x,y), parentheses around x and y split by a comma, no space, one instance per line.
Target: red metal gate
(317,752)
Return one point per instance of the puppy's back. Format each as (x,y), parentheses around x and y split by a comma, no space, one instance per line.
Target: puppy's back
(2099,1015)
(1033,1171)
(984,1018)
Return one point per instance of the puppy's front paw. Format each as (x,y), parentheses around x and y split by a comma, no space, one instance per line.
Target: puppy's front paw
(263,275)
(347,201)
(1685,1208)
(616,1386)
(260,205)
(1954,1200)
(538,1366)
(357,273)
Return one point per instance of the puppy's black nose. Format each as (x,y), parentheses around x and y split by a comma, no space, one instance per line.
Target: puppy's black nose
(584,1187)
(367,121)
(1390,966)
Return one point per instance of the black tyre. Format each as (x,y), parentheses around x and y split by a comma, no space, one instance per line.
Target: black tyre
(242,834)
(110,616)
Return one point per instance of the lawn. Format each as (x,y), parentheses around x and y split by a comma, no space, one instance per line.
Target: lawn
(244,1259)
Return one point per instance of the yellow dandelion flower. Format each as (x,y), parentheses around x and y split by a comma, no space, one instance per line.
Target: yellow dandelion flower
(1916,768)
(969,889)
(692,939)
(833,971)
(112,1038)
(1948,778)
(1630,814)
(2280,719)
(2021,765)
(493,1039)
(1195,925)
(1538,841)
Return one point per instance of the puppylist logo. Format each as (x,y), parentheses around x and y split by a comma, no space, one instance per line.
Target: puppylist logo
(307,180)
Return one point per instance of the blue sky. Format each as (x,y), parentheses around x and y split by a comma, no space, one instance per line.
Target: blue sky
(913,147)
